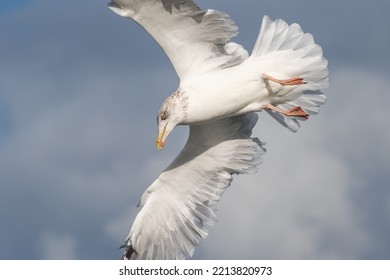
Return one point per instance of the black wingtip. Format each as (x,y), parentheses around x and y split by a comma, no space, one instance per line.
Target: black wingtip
(128,252)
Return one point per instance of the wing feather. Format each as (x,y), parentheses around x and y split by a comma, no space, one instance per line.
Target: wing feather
(182,201)
(195,41)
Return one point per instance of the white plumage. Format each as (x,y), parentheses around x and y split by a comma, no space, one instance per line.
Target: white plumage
(178,205)
(221,87)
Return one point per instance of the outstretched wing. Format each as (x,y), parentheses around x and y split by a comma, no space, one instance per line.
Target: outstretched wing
(195,41)
(178,205)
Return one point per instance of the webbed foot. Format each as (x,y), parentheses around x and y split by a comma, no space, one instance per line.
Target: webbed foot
(289,82)
(294,112)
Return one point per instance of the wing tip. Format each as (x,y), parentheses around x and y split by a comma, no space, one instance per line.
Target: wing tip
(128,251)
(116,8)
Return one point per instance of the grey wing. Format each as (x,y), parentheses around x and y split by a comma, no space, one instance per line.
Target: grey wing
(182,201)
(195,41)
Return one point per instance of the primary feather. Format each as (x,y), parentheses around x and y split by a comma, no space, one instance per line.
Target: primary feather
(195,41)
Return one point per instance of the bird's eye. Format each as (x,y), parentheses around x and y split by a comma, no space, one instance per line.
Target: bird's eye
(163,116)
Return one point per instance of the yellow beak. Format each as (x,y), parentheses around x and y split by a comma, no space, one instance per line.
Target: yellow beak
(160,141)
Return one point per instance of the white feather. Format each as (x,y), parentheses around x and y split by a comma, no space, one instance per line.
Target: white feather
(182,201)
(194,40)
(293,53)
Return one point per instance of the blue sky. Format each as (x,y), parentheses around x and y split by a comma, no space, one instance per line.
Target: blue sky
(9,5)
(79,91)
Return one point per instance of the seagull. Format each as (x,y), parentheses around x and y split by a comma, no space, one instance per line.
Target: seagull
(221,90)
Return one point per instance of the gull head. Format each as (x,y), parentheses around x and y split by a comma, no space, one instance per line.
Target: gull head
(172,112)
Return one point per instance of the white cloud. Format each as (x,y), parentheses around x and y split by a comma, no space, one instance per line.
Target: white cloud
(56,246)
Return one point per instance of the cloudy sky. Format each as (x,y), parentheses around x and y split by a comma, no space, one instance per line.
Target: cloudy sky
(79,91)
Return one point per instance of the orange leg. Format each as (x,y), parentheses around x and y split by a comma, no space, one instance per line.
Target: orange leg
(294,112)
(289,82)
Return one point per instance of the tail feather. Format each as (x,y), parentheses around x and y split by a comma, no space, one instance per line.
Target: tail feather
(293,53)
(278,35)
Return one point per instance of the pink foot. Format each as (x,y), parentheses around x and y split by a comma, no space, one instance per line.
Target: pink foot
(294,112)
(297,112)
(289,82)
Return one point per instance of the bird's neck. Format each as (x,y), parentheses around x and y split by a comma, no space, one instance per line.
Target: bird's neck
(180,100)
